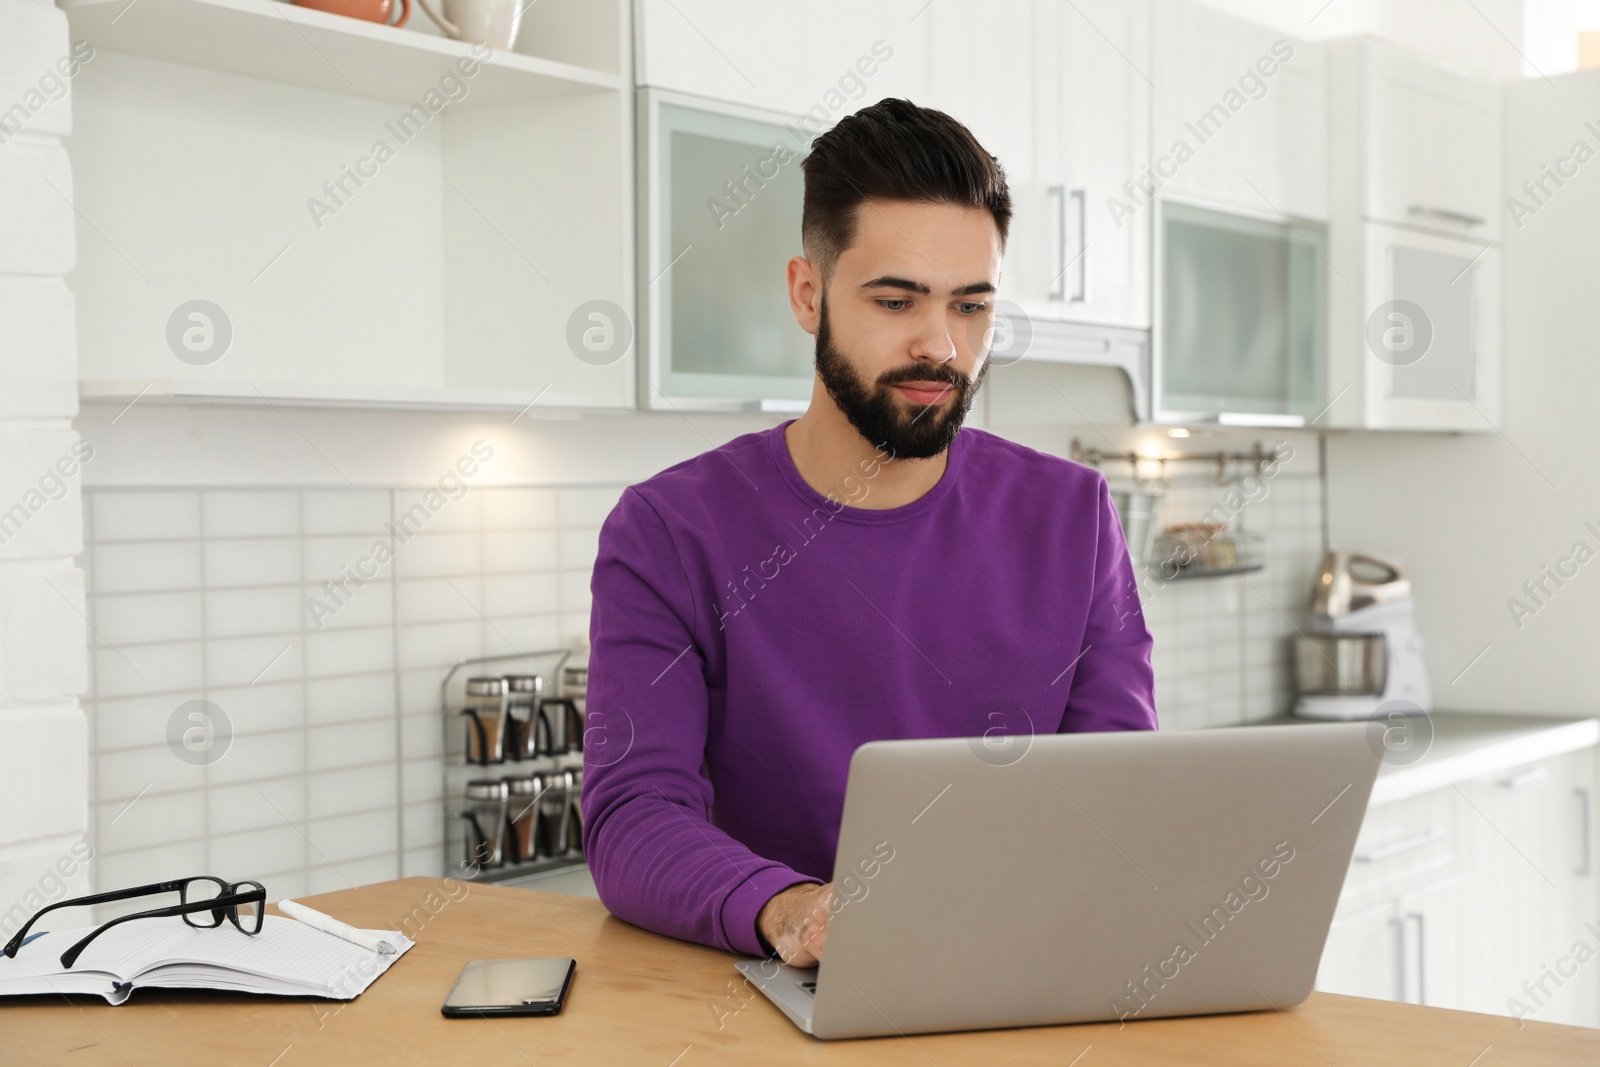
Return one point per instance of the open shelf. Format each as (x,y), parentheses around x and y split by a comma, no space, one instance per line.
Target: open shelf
(300,394)
(280,42)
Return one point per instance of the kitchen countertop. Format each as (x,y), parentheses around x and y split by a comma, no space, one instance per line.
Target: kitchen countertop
(1471,744)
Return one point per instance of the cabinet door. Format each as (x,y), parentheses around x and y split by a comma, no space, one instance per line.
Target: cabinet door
(1239,319)
(1432,145)
(1092,122)
(1238,112)
(824,58)
(1568,856)
(722,192)
(1519,884)
(1432,332)
(1430,918)
(1363,954)
(983,56)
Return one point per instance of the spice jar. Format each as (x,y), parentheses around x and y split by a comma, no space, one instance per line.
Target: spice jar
(525,717)
(554,812)
(486,713)
(486,819)
(574,828)
(523,816)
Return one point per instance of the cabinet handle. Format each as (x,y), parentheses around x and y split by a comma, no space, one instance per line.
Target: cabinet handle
(1527,777)
(1377,855)
(1446,213)
(1082,197)
(1585,799)
(1058,285)
(1400,954)
(1422,955)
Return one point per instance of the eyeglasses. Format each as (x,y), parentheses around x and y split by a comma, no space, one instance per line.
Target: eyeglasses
(205,902)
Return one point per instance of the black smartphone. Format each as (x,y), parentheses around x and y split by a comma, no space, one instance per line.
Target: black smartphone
(510,987)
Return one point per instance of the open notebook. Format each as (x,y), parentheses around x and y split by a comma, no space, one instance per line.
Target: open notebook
(286,958)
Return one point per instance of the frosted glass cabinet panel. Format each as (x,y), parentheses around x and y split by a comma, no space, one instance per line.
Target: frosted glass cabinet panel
(722,190)
(1240,318)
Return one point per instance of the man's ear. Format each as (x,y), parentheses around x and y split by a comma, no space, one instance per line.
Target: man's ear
(805,293)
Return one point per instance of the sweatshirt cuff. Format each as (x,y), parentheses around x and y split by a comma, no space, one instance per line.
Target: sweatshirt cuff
(739,911)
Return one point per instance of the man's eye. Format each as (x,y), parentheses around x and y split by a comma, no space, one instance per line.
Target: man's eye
(898,304)
(969,307)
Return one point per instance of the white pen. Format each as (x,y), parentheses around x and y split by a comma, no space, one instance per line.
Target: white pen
(329,925)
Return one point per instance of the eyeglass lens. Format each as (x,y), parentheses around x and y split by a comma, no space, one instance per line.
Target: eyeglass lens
(202,889)
(247,916)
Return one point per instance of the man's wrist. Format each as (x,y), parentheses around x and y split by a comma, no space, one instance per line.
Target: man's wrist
(761,936)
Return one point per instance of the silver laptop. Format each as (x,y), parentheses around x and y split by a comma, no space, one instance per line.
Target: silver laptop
(1081,877)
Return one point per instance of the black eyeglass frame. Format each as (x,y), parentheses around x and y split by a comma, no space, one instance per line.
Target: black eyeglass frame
(225,905)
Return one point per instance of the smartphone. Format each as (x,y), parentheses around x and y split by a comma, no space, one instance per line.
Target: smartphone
(511,987)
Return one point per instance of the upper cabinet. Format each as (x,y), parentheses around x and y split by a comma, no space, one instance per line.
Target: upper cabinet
(1430,150)
(1414,340)
(821,60)
(720,198)
(1059,94)
(1092,125)
(1239,113)
(285,205)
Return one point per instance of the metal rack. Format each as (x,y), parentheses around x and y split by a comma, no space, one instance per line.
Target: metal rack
(458,771)
(1235,552)
(1257,459)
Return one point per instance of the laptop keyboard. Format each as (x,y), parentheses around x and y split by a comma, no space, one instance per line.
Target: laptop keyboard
(809,987)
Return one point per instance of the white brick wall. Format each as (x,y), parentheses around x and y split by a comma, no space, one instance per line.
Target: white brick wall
(43,646)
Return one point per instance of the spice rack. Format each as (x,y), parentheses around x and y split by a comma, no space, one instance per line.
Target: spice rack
(467,739)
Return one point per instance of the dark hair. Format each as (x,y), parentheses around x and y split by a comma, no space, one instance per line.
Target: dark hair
(893,150)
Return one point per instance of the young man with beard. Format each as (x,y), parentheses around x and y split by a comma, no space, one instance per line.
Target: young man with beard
(868,570)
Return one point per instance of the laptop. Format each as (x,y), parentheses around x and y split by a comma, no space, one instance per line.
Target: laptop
(1081,877)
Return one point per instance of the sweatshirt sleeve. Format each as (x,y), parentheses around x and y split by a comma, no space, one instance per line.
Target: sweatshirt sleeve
(1113,686)
(657,860)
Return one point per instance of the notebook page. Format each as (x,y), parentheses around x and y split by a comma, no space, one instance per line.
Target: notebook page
(288,952)
(115,955)
(286,956)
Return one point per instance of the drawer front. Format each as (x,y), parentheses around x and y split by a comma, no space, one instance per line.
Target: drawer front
(1403,845)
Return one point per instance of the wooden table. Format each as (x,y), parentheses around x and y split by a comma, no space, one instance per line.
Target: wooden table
(643,999)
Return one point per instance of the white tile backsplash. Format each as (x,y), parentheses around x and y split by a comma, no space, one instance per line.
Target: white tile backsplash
(154,516)
(248,561)
(251,514)
(209,594)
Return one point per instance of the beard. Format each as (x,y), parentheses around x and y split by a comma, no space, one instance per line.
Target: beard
(877,412)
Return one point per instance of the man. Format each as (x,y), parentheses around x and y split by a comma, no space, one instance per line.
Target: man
(868,570)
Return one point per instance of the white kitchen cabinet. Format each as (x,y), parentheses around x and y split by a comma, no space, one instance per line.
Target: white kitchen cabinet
(1534,890)
(1363,956)
(1239,113)
(721,196)
(1057,94)
(1425,149)
(986,80)
(1239,332)
(823,59)
(1414,338)
(1431,920)
(1473,893)
(1092,117)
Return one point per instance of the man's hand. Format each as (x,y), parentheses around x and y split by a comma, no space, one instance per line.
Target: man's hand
(795,922)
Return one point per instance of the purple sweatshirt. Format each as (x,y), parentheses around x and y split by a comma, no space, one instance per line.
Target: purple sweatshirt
(747,633)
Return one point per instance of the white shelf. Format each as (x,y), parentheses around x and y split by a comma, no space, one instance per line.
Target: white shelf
(313,394)
(280,42)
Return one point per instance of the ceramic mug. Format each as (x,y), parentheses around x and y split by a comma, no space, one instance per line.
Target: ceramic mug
(491,22)
(370,10)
